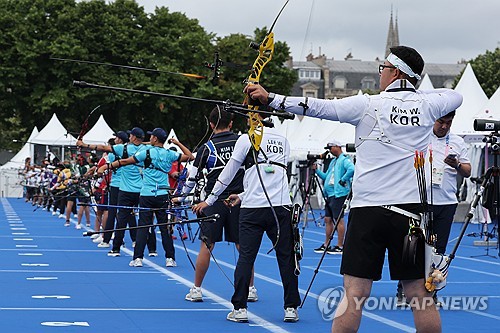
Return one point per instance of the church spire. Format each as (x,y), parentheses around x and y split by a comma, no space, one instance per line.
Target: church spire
(392,35)
(396,31)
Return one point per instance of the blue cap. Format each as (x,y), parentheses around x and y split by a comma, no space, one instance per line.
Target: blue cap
(122,135)
(137,132)
(159,133)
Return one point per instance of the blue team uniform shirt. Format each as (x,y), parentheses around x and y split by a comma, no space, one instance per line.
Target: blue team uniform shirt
(117,174)
(131,176)
(340,168)
(155,177)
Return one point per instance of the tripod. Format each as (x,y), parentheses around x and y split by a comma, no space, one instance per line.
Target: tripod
(491,172)
(306,189)
(491,199)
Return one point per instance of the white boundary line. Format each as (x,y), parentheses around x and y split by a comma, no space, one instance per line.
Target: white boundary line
(219,300)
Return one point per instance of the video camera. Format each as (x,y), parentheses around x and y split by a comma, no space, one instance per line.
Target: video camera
(493,138)
(486,125)
(317,156)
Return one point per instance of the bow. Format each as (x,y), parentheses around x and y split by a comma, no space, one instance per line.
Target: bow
(256,130)
(85,126)
(266,50)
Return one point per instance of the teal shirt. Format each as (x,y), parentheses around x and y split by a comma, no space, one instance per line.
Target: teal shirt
(155,177)
(131,176)
(341,168)
(117,174)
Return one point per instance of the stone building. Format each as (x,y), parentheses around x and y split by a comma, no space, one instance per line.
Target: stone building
(328,78)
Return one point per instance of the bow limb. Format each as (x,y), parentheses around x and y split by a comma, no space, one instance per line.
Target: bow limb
(85,127)
(256,130)
(266,51)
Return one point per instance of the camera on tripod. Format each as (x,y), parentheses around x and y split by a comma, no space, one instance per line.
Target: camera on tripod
(492,138)
(314,157)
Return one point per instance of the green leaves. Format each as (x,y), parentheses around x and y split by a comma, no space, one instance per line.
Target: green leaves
(487,70)
(33,86)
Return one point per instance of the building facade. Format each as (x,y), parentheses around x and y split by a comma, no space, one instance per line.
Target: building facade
(329,78)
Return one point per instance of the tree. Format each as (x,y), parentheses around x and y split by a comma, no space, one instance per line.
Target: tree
(33,85)
(487,70)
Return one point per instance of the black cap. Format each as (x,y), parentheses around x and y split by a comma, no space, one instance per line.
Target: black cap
(137,132)
(159,133)
(122,135)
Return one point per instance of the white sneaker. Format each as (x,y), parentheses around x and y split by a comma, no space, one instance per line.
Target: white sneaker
(54,213)
(194,295)
(94,236)
(103,244)
(87,225)
(291,315)
(62,216)
(137,262)
(171,262)
(153,254)
(97,240)
(78,226)
(252,294)
(238,316)
(66,224)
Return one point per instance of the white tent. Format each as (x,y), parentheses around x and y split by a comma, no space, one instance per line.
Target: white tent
(474,100)
(491,110)
(426,83)
(10,176)
(100,133)
(54,134)
(17,162)
(172,135)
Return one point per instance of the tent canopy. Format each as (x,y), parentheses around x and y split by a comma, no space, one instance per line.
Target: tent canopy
(100,133)
(17,161)
(54,134)
(474,100)
(426,83)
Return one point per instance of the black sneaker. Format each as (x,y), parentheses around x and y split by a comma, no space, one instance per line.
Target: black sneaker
(334,250)
(113,253)
(320,249)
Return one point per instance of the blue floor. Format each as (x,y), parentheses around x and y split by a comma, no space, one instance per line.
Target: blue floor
(55,280)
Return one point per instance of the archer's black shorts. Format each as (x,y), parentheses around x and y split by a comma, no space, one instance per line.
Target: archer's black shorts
(333,207)
(370,232)
(102,199)
(228,221)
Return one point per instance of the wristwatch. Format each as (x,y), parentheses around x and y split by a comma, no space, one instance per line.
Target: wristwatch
(270,98)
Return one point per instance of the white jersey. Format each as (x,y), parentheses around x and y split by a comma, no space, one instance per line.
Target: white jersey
(390,127)
(276,148)
(444,177)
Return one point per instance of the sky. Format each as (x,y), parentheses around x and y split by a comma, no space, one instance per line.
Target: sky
(443,31)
